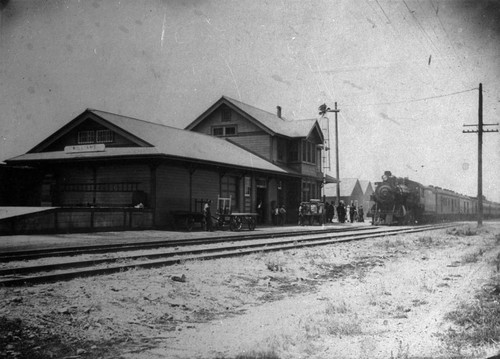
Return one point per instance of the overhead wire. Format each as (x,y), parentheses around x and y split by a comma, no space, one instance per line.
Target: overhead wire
(413,100)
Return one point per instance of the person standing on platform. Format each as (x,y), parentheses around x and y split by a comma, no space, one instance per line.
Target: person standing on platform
(301,214)
(208,216)
(341,212)
(282,215)
(276,212)
(361,214)
(330,211)
(352,212)
(260,212)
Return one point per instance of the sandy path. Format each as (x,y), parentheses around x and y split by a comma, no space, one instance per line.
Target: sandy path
(378,298)
(394,309)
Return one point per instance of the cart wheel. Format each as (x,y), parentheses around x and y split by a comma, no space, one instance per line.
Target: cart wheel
(235,224)
(189,223)
(251,223)
(219,222)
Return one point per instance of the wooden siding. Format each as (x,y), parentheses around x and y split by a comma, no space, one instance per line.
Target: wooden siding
(259,144)
(64,220)
(141,174)
(206,186)
(248,135)
(70,175)
(172,192)
(112,196)
(215,119)
(310,169)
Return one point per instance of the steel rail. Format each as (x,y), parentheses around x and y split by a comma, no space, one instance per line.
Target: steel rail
(199,254)
(127,246)
(94,262)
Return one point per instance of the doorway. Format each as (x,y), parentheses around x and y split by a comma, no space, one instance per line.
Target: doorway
(261,206)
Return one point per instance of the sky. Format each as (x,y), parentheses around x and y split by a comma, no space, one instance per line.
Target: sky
(404,73)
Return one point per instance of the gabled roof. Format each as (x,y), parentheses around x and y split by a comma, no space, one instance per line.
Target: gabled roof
(153,139)
(365,184)
(268,121)
(347,186)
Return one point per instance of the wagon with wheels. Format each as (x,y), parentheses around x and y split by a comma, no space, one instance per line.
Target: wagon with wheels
(235,221)
(187,219)
(311,212)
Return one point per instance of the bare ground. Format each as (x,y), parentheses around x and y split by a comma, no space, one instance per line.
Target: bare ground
(377,298)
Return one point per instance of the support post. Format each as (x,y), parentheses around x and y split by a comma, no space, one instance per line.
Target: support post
(480,130)
(480,158)
(323,109)
(337,154)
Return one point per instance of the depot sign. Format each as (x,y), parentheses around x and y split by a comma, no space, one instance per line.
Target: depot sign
(100,147)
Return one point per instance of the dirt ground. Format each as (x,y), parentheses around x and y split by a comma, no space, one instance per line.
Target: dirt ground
(376,298)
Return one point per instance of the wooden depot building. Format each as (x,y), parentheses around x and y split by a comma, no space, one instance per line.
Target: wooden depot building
(104,171)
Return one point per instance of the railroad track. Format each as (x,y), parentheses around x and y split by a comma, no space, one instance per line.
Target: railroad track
(150,257)
(141,245)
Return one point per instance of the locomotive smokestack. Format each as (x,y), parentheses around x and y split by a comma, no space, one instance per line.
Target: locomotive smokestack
(278,111)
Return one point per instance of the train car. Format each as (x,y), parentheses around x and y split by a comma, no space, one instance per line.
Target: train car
(401,201)
(397,201)
(491,209)
(448,205)
(466,207)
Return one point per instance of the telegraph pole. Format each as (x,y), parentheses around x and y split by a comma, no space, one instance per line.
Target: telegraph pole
(480,130)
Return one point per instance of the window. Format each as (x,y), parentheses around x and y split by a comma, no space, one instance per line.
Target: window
(218,131)
(294,151)
(308,152)
(248,186)
(225,115)
(104,136)
(224,131)
(310,191)
(85,137)
(95,136)
(281,149)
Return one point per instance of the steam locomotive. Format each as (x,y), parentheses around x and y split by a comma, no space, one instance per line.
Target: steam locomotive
(402,201)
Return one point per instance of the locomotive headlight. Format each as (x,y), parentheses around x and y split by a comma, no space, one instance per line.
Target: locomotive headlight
(384,178)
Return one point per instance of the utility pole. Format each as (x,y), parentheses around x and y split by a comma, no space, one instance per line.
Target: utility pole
(323,109)
(480,130)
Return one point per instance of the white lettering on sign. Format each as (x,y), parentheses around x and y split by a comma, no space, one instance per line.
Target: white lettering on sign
(100,147)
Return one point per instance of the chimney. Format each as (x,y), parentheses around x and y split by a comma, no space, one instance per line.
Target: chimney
(278,110)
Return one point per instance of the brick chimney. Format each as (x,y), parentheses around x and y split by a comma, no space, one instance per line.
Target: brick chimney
(278,111)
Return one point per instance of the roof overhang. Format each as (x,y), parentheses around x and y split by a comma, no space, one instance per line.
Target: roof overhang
(151,155)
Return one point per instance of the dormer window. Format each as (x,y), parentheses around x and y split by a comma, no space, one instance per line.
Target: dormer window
(221,131)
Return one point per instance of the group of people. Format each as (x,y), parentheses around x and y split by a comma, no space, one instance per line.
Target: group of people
(279,215)
(350,213)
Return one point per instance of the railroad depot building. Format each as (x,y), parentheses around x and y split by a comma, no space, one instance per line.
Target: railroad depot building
(106,171)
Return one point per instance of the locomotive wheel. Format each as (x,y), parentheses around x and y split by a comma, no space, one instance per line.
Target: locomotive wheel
(251,223)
